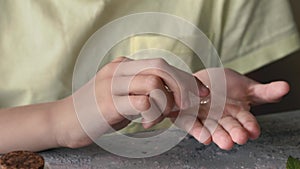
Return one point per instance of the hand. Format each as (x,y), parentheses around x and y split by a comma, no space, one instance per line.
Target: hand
(237,124)
(126,88)
(139,80)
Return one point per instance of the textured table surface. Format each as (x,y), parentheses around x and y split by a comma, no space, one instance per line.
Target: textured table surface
(280,138)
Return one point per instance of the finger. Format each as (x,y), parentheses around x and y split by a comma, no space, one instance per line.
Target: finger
(137,85)
(152,114)
(222,139)
(246,119)
(268,93)
(131,105)
(249,122)
(180,82)
(139,105)
(219,135)
(163,99)
(236,131)
(145,85)
(194,127)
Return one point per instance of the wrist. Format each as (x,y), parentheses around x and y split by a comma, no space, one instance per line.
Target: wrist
(66,126)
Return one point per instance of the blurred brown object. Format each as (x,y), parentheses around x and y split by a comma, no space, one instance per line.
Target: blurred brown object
(287,69)
(21,160)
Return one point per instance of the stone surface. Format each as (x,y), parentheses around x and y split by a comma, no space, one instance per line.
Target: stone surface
(280,138)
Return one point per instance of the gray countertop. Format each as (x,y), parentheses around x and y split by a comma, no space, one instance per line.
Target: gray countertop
(280,138)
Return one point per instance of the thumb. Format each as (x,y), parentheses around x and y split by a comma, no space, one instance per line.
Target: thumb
(268,93)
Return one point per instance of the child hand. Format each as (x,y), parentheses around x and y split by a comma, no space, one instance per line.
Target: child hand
(126,88)
(236,124)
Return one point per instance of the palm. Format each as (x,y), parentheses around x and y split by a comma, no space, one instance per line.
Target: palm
(236,124)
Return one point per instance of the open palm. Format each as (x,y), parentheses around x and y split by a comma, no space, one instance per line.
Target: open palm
(236,124)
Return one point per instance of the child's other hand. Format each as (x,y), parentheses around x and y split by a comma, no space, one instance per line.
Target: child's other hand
(237,124)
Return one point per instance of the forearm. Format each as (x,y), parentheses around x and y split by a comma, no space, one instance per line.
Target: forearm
(41,126)
(27,127)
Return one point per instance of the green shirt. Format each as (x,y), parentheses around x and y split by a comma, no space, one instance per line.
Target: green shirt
(40,40)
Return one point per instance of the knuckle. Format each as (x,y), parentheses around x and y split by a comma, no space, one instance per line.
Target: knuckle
(108,68)
(160,63)
(153,82)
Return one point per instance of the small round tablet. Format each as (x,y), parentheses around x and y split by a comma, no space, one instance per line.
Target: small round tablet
(21,160)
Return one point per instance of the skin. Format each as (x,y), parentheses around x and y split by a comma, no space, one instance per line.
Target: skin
(237,124)
(55,124)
